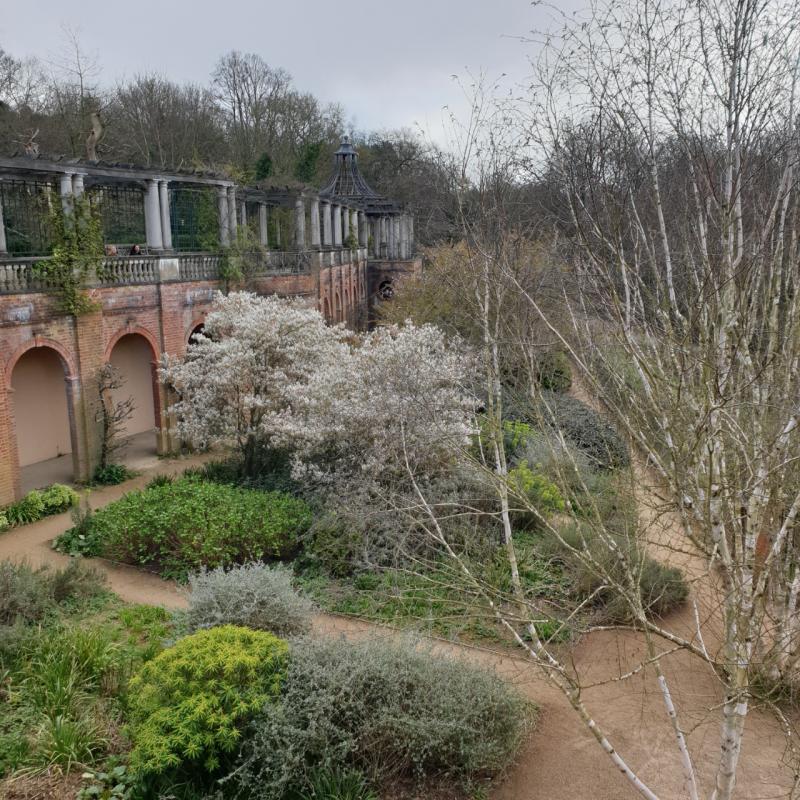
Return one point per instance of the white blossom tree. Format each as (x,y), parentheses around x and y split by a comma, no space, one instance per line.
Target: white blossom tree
(245,372)
(404,392)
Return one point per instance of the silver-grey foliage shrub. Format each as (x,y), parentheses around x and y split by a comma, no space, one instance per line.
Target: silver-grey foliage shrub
(252,595)
(390,710)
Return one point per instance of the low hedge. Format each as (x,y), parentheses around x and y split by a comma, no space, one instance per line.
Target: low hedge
(189,524)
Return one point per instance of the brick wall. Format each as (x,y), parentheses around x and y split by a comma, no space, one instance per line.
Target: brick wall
(165,315)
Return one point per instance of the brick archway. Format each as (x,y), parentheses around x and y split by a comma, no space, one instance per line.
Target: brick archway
(70,372)
(40,380)
(129,339)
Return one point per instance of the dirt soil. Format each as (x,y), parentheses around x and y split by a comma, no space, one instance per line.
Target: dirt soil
(561,761)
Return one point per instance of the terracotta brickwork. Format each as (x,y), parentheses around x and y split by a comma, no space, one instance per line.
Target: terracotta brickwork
(164,314)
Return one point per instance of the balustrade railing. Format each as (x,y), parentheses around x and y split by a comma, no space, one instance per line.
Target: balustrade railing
(19,275)
(199,266)
(286,262)
(123,270)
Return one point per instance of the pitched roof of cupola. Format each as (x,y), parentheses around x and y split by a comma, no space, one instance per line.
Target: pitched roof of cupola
(346,179)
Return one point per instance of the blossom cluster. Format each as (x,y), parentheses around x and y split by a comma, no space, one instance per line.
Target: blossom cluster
(368,407)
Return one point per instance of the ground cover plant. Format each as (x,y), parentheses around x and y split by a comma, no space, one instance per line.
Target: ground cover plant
(38,503)
(180,526)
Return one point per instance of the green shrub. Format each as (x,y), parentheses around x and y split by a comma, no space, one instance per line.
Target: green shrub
(111,475)
(253,595)
(190,524)
(27,510)
(189,704)
(515,434)
(388,710)
(536,498)
(336,784)
(585,428)
(38,503)
(661,588)
(58,498)
(27,594)
(553,371)
(334,544)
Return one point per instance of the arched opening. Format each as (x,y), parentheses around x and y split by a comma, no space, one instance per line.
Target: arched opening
(196,330)
(42,419)
(337,307)
(134,358)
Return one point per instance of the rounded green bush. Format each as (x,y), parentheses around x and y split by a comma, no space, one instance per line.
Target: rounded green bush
(387,709)
(58,498)
(27,510)
(534,491)
(187,525)
(188,705)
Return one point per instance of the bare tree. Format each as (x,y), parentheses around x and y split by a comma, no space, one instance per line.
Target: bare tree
(671,129)
(113,414)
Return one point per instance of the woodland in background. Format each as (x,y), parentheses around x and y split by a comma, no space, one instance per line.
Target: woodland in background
(249,120)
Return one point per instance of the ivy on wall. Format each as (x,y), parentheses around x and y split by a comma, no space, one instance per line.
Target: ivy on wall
(77,255)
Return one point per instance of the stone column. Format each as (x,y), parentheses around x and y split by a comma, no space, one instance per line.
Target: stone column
(346,223)
(232,214)
(376,237)
(337,225)
(65,183)
(77,184)
(327,240)
(411,248)
(3,244)
(315,237)
(300,224)
(403,238)
(363,231)
(263,225)
(243,213)
(354,226)
(222,208)
(390,231)
(166,222)
(152,216)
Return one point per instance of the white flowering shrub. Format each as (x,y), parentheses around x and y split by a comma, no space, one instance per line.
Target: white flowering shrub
(241,377)
(268,373)
(252,595)
(402,401)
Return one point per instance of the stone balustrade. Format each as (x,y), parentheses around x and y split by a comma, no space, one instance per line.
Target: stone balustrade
(124,270)
(19,276)
(199,266)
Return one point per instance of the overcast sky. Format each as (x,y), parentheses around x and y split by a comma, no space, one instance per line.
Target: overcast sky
(388,63)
